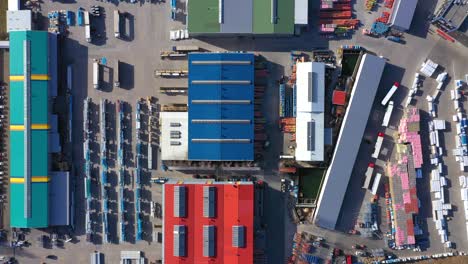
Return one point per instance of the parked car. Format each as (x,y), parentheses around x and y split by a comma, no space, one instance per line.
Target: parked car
(159,180)
(52,257)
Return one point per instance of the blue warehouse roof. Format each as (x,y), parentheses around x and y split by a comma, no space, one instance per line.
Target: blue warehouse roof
(221,106)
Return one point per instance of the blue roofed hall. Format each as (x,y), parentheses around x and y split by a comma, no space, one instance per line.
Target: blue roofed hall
(221,107)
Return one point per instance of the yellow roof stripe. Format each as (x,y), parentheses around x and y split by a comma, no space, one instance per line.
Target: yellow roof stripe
(34,179)
(34,77)
(16,78)
(33,127)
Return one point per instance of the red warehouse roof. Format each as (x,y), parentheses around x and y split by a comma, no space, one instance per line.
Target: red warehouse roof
(215,223)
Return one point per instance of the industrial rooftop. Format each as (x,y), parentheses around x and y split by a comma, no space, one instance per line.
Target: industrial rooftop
(207,17)
(220,101)
(402,14)
(29,126)
(310,123)
(208,221)
(349,140)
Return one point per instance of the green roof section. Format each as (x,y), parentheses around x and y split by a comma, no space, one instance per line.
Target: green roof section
(262,17)
(203,17)
(40,206)
(38,137)
(39,51)
(39,153)
(39,102)
(16,103)
(17,154)
(285,21)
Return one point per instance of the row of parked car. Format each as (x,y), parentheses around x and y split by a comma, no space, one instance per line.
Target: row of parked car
(3,126)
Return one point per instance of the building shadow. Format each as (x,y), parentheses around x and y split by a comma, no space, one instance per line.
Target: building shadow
(127,75)
(421,19)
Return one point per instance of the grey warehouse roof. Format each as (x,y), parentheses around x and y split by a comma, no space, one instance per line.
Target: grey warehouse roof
(59,197)
(402,14)
(354,123)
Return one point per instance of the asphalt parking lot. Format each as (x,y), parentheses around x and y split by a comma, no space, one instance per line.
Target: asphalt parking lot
(147,26)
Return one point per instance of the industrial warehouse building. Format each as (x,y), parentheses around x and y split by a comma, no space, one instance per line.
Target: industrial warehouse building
(310,120)
(30,176)
(451,15)
(347,146)
(208,222)
(234,17)
(402,14)
(219,124)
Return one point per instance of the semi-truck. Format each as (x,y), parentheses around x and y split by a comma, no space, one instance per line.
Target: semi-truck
(116,74)
(390,93)
(378,145)
(96,68)
(116,23)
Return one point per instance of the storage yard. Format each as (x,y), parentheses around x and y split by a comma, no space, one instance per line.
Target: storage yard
(325,132)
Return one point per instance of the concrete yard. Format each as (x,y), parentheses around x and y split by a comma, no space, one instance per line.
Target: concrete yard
(148,25)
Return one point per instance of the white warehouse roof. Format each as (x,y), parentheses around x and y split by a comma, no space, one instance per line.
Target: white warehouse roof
(347,147)
(402,13)
(310,85)
(301,9)
(13,5)
(310,89)
(19,20)
(174,124)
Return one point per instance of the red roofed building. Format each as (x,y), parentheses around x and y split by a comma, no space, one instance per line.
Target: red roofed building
(208,222)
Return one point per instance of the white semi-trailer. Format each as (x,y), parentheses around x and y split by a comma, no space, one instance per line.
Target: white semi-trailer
(116,74)
(390,93)
(96,75)
(369,172)
(388,114)
(116,23)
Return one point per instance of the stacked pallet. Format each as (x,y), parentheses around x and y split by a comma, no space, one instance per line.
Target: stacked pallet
(336,17)
(336,14)
(351,23)
(383,18)
(370,4)
(288,125)
(388,3)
